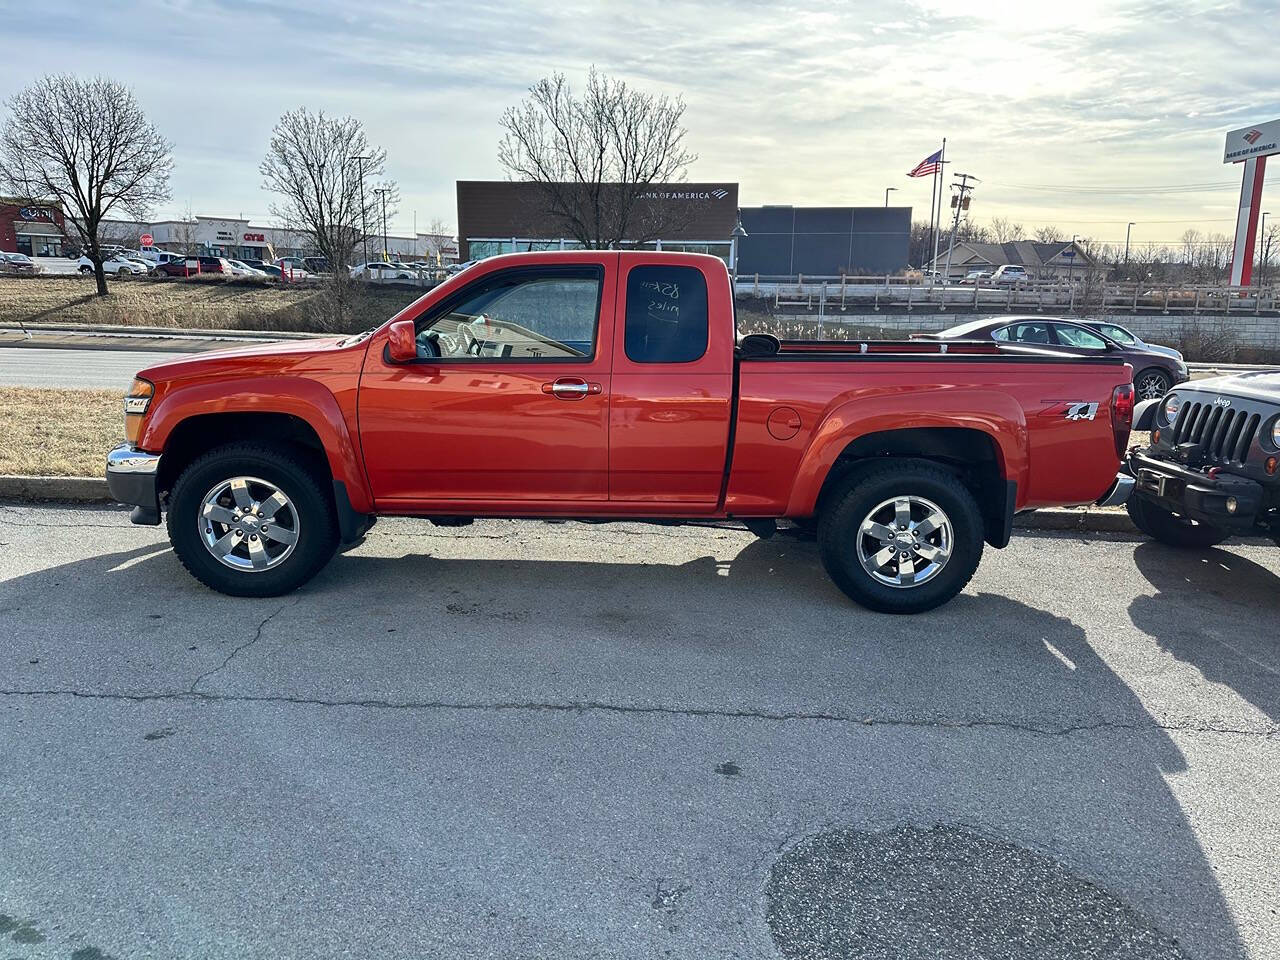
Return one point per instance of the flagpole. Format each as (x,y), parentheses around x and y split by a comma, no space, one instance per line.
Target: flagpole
(937,220)
(933,218)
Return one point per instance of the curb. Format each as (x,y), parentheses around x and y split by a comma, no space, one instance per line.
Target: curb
(59,489)
(1083,521)
(94,490)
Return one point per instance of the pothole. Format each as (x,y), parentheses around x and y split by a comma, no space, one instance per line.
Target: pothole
(945,892)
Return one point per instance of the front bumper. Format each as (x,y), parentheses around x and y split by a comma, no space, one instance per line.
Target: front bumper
(1193,494)
(131,478)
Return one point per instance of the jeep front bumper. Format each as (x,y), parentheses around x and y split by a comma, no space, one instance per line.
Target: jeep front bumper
(131,478)
(1191,493)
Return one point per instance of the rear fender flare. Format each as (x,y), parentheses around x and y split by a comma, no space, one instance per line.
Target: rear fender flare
(307,400)
(993,413)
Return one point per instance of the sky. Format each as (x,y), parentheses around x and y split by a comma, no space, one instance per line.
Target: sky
(1085,115)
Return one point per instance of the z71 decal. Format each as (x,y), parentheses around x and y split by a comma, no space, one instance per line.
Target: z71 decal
(1081,411)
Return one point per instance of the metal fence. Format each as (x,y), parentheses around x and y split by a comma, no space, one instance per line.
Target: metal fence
(905,294)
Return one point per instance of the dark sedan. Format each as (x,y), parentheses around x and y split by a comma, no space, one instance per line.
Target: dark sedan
(1155,369)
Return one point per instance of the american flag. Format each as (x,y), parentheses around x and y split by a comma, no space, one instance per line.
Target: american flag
(930,164)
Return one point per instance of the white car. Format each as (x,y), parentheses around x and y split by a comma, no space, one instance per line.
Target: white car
(377,270)
(118,264)
(241,269)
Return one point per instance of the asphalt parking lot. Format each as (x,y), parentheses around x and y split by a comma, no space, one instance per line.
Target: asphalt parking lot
(521,740)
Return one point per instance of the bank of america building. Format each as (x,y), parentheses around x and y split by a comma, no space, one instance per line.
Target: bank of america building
(498,216)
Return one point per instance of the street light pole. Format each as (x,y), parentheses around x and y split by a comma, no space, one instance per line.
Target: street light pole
(887,190)
(738,233)
(1071,266)
(383,192)
(1126,245)
(364,226)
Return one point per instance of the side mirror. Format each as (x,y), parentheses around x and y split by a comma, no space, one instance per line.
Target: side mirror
(402,344)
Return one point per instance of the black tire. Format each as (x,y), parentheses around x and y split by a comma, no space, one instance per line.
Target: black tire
(317,524)
(85,271)
(845,510)
(1169,528)
(1151,384)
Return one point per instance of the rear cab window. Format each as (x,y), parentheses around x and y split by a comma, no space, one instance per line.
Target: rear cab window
(666,314)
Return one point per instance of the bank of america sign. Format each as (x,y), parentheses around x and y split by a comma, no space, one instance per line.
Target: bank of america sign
(717,194)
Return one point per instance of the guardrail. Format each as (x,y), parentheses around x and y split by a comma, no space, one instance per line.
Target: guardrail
(823,294)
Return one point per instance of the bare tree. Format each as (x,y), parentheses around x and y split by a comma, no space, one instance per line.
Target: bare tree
(1270,242)
(438,239)
(315,163)
(86,145)
(1006,231)
(598,156)
(324,171)
(1048,234)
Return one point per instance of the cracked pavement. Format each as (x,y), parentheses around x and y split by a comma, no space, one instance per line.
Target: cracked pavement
(568,740)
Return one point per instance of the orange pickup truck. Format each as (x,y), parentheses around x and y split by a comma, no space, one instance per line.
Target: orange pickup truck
(613,386)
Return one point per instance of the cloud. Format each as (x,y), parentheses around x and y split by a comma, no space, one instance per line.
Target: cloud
(1058,109)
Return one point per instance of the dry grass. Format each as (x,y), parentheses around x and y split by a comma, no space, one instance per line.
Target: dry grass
(59,433)
(209,303)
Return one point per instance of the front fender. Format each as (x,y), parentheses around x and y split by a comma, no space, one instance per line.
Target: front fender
(996,414)
(305,399)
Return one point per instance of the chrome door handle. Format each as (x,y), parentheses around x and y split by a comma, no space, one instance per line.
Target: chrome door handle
(571,388)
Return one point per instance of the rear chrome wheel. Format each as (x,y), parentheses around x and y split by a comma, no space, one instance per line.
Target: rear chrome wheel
(900,536)
(248,524)
(905,541)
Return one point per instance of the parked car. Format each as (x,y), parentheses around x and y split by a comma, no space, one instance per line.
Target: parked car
(239,268)
(293,268)
(255,264)
(975,277)
(904,481)
(459,267)
(191,266)
(271,270)
(1210,471)
(1127,338)
(117,264)
(316,265)
(1009,274)
(377,270)
(1155,371)
(17,263)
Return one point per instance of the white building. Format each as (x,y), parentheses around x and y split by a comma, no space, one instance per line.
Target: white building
(240,239)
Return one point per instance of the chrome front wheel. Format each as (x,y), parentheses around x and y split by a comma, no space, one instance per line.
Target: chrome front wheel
(248,524)
(905,541)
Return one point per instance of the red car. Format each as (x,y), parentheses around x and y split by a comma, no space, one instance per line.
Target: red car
(608,385)
(188,268)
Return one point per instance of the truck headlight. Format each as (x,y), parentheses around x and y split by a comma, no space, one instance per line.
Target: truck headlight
(136,402)
(139,396)
(1171,406)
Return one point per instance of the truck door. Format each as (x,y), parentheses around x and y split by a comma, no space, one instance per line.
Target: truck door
(509,399)
(672,386)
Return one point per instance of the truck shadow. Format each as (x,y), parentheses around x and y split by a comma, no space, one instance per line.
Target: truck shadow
(1074,764)
(1204,599)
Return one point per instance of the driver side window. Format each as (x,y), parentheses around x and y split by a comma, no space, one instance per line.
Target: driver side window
(538,314)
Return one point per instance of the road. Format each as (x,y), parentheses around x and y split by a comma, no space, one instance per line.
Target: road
(522,740)
(83,369)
